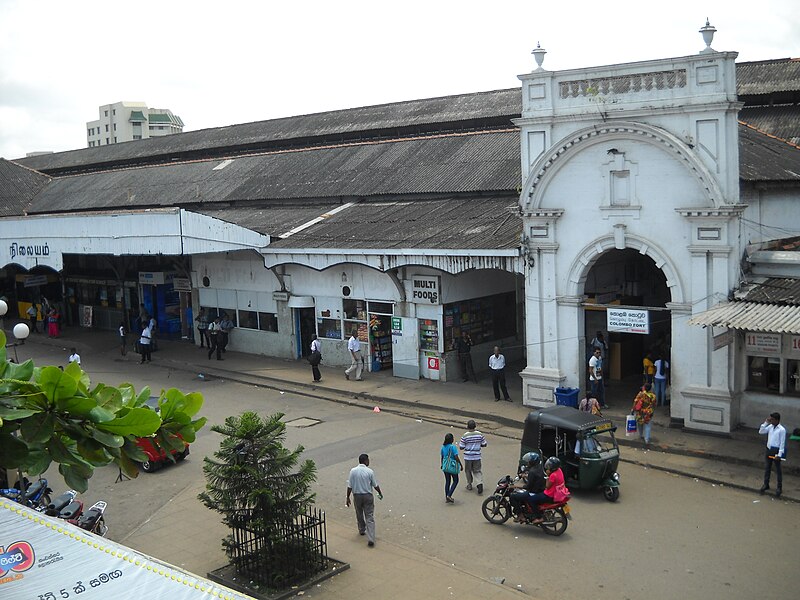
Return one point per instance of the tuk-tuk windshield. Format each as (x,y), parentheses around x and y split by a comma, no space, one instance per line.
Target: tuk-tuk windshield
(603,444)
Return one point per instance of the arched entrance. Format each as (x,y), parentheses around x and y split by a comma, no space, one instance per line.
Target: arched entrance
(621,279)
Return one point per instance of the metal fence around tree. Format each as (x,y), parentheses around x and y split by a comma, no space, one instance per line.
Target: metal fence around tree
(277,553)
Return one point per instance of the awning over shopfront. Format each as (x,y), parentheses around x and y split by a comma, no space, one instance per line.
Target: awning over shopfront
(43,240)
(751,316)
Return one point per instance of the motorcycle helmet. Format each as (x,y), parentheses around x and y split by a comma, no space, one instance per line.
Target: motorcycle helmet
(531,459)
(552,464)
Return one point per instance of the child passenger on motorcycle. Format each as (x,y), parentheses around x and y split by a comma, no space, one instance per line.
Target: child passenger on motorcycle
(535,483)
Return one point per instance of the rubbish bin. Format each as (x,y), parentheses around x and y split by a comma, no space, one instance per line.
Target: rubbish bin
(567,396)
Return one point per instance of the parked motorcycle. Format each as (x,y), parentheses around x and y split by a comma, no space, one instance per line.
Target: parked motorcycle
(65,506)
(497,509)
(92,520)
(33,495)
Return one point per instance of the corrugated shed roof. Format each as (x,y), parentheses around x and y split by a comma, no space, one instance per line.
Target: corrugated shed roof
(775,290)
(772,306)
(766,158)
(751,316)
(18,186)
(768,76)
(781,121)
(445,223)
(428,114)
(462,163)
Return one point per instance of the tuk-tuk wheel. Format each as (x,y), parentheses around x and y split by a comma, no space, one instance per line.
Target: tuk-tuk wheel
(611,493)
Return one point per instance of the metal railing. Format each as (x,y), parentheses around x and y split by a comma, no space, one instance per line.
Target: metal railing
(277,553)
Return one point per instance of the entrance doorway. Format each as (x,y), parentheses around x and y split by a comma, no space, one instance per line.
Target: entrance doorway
(304,328)
(626,278)
(380,341)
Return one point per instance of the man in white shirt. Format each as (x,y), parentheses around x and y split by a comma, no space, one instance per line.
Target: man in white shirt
(145,345)
(360,484)
(357,364)
(776,450)
(497,366)
(74,356)
(596,377)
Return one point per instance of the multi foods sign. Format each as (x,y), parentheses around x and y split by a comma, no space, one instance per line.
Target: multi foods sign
(425,290)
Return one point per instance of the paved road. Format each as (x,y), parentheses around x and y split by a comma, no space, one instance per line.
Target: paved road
(667,537)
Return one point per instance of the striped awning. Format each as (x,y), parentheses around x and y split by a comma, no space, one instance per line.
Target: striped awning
(751,316)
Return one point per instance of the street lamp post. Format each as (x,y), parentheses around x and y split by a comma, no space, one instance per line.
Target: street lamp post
(21,330)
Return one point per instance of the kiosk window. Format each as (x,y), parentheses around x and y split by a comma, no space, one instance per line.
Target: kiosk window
(793,377)
(763,373)
(330,329)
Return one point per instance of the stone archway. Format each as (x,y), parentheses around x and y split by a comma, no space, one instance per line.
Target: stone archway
(586,258)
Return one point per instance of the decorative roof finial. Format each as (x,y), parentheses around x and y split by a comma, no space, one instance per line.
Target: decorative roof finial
(538,55)
(708,32)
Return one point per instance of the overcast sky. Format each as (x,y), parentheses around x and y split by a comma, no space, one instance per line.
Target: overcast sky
(220,63)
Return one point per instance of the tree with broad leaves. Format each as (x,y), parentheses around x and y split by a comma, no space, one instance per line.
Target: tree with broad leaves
(49,415)
(253,482)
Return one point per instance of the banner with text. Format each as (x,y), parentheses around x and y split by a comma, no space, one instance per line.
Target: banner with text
(627,320)
(48,559)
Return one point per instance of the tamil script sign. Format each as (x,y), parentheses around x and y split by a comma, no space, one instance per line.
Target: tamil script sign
(627,320)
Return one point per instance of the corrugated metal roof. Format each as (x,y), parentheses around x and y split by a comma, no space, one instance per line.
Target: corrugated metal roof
(751,316)
(781,121)
(766,158)
(768,76)
(462,163)
(18,186)
(775,290)
(432,114)
(445,223)
(462,111)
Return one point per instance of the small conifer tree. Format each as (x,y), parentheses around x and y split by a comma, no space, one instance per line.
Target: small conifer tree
(252,480)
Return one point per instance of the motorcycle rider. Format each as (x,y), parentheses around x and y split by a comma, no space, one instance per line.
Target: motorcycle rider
(555,489)
(533,475)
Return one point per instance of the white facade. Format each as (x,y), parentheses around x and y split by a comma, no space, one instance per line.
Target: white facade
(639,156)
(240,285)
(127,121)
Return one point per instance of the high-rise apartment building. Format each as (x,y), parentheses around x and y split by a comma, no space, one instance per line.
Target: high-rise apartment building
(126,121)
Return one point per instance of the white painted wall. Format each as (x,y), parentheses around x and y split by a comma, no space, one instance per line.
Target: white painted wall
(608,164)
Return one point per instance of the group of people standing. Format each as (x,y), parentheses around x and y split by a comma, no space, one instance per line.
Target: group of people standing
(51,318)
(497,366)
(214,332)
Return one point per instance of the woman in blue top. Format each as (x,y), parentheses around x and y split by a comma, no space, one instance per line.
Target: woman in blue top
(449,453)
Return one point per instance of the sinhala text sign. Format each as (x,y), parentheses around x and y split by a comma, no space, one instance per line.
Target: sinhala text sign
(628,320)
(44,558)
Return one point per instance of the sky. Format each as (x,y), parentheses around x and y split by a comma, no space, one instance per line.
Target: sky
(221,63)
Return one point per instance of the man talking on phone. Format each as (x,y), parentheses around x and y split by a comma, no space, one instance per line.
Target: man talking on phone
(776,450)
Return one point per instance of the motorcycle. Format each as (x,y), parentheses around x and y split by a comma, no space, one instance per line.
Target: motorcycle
(92,520)
(66,507)
(497,509)
(35,495)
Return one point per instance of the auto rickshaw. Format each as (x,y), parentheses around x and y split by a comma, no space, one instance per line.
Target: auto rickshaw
(584,443)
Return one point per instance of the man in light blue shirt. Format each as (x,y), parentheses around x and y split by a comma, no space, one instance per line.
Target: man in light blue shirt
(776,450)
(360,484)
